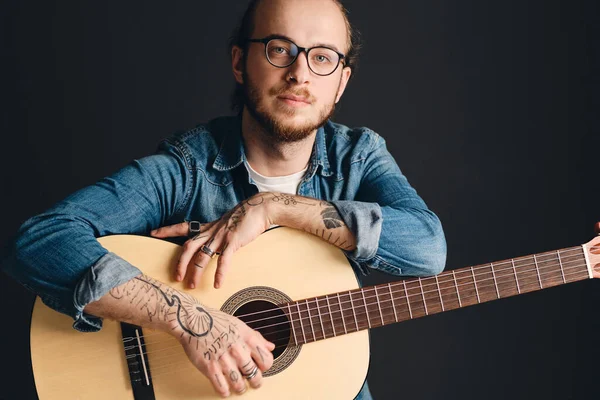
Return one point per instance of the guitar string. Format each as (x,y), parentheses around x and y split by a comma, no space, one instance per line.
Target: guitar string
(360,307)
(467,271)
(437,284)
(158,371)
(155,374)
(364,306)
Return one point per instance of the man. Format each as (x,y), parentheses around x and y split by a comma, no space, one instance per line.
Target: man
(292,61)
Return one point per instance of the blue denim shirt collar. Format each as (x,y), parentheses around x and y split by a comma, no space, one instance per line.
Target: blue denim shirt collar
(231,153)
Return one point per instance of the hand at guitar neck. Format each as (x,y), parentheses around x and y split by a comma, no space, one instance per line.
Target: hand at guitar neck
(220,345)
(246,222)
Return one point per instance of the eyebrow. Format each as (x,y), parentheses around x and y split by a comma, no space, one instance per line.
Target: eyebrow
(282,36)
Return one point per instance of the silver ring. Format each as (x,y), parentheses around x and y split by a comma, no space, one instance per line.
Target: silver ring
(208,251)
(252,373)
(193,228)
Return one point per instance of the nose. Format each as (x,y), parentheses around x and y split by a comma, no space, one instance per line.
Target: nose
(299,70)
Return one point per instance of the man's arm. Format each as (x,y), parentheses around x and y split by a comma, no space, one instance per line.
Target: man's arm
(246,222)
(56,254)
(221,346)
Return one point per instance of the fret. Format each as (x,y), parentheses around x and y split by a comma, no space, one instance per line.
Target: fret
(537,270)
(423,295)
(447,292)
(379,305)
(495,282)
(366,309)
(301,323)
(456,286)
(576,264)
(550,269)
(341,312)
(562,271)
(330,315)
(320,318)
(431,295)
(466,286)
(407,300)
(485,283)
(527,275)
(312,328)
(512,261)
(475,283)
(437,283)
(353,310)
(393,305)
(292,323)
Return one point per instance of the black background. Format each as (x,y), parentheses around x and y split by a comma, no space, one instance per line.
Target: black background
(490,108)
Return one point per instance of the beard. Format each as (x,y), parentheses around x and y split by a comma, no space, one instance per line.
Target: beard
(278,128)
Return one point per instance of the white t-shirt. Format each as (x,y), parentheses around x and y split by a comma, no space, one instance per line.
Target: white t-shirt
(283,184)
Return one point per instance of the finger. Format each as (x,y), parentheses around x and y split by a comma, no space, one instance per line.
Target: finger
(190,252)
(180,229)
(219,382)
(223,264)
(200,260)
(236,381)
(262,356)
(269,345)
(196,268)
(246,365)
(247,369)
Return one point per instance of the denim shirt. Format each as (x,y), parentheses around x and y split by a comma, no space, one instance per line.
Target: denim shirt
(200,175)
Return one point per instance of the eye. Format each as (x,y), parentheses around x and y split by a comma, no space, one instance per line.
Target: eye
(279,50)
(322,59)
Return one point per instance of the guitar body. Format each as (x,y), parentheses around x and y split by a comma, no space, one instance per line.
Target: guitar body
(282,262)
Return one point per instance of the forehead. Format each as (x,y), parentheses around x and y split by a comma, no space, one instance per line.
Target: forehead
(306,22)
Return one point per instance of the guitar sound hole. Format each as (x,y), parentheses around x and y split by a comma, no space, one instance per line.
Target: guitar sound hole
(269,320)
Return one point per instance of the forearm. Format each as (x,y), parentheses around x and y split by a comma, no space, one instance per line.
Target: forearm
(317,217)
(147,302)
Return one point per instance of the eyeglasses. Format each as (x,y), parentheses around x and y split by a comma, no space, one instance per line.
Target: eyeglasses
(282,53)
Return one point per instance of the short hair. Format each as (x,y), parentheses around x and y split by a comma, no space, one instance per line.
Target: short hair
(245,27)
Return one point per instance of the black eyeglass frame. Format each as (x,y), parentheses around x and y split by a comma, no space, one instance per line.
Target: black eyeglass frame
(267,39)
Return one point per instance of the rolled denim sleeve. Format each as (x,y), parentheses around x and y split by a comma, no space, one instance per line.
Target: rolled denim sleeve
(395,231)
(57,255)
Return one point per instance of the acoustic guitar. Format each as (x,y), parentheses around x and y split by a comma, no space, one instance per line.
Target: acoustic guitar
(300,293)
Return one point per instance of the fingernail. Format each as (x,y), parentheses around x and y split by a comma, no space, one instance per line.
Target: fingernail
(217,285)
(192,285)
(178,277)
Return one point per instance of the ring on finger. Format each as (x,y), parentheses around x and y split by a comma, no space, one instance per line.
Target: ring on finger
(193,228)
(252,373)
(208,251)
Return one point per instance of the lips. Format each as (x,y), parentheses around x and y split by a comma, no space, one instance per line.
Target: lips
(294,98)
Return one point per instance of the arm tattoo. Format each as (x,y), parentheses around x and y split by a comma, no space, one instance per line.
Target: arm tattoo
(288,199)
(331,218)
(162,303)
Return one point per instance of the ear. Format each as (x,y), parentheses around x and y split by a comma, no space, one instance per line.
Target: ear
(346,72)
(237,64)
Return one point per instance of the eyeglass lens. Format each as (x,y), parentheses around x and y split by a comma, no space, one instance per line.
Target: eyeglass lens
(321,60)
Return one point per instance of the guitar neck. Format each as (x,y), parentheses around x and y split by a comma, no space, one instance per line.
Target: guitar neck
(373,306)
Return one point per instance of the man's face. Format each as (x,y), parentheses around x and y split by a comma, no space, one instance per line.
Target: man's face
(268,89)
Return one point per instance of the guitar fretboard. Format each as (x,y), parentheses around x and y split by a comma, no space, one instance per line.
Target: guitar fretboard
(370,307)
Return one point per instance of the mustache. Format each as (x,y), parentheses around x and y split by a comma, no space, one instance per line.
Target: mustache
(286,90)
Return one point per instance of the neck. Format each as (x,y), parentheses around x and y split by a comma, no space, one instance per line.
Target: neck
(271,158)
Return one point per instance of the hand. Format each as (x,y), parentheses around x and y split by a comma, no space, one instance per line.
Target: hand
(224,349)
(235,229)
